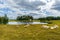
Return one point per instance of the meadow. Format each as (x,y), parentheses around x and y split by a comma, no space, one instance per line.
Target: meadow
(32,32)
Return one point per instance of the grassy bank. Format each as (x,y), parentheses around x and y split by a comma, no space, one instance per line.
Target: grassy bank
(16,20)
(32,32)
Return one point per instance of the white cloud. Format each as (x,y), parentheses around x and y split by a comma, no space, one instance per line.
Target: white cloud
(31,6)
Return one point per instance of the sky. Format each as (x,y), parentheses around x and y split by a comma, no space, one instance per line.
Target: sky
(36,8)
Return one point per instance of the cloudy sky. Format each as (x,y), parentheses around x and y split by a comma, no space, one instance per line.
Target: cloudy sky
(36,8)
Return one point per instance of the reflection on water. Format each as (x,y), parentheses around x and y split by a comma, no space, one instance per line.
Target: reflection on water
(17,23)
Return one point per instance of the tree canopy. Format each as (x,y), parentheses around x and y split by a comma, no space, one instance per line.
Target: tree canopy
(25,18)
(4,20)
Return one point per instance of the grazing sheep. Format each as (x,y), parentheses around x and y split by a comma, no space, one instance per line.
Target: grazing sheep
(56,26)
(52,28)
(44,26)
(27,25)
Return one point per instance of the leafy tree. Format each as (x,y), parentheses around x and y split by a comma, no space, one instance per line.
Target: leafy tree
(24,18)
(5,19)
(0,20)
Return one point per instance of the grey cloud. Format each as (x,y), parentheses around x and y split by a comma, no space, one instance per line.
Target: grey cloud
(27,5)
(56,6)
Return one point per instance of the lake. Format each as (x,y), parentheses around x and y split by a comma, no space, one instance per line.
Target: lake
(17,23)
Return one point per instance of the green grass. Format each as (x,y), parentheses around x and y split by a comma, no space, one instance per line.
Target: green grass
(16,20)
(32,32)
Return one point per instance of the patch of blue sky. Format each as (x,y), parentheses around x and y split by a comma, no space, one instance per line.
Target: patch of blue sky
(1,2)
(47,12)
(24,10)
(2,13)
(12,16)
(6,10)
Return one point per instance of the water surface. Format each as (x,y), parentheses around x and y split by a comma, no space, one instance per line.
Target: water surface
(17,23)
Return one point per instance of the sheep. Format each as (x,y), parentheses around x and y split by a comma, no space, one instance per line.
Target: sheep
(53,27)
(27,25)
(44,26)
(56,26)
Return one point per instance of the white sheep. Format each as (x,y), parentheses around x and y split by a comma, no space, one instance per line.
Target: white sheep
(27,25)
(52,28)
(56,26)
(45,26)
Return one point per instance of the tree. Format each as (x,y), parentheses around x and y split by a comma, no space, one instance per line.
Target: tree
(42,19)
(5,19)
(0,20)
(25,19)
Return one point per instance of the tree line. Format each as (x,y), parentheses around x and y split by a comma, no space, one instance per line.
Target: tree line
(50,18)
(27,18)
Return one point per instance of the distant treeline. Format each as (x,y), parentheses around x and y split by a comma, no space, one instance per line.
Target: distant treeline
(50,18)
(24,17)
(27,18)
(4,20)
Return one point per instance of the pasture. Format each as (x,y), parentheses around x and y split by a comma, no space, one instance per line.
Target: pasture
(32,32)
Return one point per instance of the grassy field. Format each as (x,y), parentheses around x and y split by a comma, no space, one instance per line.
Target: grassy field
(16,20)
(32,32)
